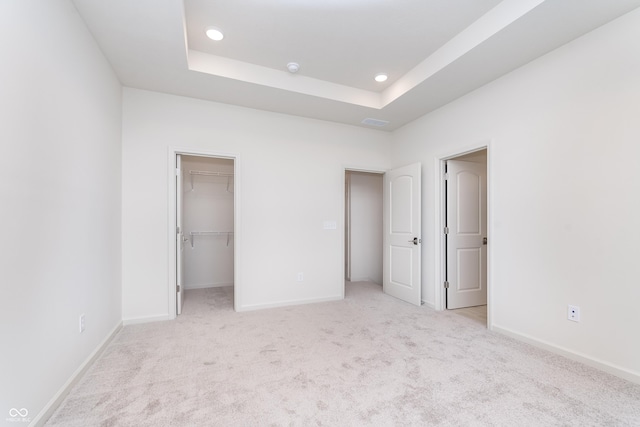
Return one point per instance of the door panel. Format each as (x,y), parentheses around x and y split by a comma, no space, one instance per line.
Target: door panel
(400,262)
(400,190)
(402,233)
(469,277)
(467,223)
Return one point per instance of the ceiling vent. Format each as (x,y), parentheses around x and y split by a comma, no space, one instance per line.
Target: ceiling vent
(375,122)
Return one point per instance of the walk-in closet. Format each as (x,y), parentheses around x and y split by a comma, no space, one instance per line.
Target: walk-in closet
(207,222)
(363,226)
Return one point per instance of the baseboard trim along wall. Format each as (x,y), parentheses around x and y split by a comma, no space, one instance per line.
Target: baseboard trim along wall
(578,357)
(288,303)
(57,399)
(146,319)
(207,285)
(364,279)
(428,304)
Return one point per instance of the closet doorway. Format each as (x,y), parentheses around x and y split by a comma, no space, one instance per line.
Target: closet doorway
(205,230)
(465,238)
(363,226)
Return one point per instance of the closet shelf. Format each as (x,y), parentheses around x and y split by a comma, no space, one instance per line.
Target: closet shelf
(228,234)
(209,173)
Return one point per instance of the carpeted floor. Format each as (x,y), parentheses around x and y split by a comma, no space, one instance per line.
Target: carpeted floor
(367,360)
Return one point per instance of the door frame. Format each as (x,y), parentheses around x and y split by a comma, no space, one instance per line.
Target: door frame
(171,222)
(440,219)
(343,181)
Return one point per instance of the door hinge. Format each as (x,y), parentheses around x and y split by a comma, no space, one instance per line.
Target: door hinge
(178,230)
(446,176)
(446,230)
(446,285)
(177,171)
(177,288)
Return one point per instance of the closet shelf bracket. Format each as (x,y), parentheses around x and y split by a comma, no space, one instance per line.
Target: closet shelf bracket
(228,234)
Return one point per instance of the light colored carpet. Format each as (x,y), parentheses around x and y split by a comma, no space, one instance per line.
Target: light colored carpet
(367,360)
(477,313)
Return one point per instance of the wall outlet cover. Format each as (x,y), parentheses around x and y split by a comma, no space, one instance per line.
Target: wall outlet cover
(573,313)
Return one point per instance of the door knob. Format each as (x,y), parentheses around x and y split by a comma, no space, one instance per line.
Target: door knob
(414,241)
(484,240)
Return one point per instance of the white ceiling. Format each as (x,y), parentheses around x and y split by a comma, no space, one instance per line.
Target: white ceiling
(433,50)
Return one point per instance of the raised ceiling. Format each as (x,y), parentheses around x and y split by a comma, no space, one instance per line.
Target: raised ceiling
(432,50)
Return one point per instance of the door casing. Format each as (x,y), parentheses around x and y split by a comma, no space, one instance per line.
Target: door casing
(171,224)
(440,219)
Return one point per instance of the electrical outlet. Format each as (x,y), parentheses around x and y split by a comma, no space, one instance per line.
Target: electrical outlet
(573,313)
(81,323)
(300,277)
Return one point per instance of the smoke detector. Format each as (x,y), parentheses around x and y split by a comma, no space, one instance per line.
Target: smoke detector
(293,67)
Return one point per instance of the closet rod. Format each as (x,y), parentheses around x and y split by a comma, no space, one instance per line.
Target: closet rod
(208,173)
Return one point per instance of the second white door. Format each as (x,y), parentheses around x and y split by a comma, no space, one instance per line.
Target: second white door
(466,236)
(402,233)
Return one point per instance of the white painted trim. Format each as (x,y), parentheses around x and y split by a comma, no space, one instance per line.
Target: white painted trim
(364,279)
(428,304)
(53,404)
(623,373)
(207,285)
(438,241)
(146,319)
(439,161)
(347,227)
(288,303)
(365,170)
(237,228)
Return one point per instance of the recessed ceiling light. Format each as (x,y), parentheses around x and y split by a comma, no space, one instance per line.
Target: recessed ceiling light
(293,67)
(381,77)
(214,34)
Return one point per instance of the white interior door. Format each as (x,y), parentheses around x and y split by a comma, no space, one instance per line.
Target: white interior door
(179,238)
(467,234)
(402,233)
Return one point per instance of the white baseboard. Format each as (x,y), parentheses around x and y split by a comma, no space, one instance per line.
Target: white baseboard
(57,399)
(288,303)
(429,304)
(207,285)
(147,319)
(364,279)
(578,357)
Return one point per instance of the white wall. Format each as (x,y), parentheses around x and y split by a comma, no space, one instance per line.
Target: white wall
(291,178)
(207,206)
(60,128)
(366,192)
(564,192)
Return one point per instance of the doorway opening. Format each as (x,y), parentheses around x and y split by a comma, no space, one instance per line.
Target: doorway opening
(363,227)
(205,225)
(465,234)
(383,230)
